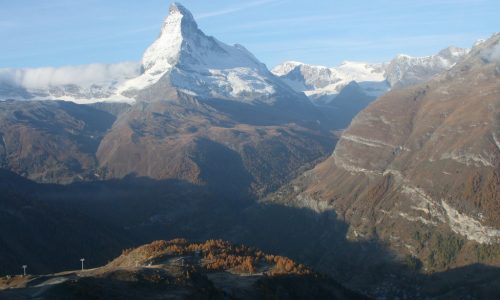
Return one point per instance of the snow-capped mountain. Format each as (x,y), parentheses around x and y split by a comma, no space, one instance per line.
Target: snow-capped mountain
(405,70)
(322,84)
(80,84)
(185,58)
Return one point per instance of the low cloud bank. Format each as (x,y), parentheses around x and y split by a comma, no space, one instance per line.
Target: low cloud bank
(83,75)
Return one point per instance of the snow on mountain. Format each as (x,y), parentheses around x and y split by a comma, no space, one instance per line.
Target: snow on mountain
(185,58)
(319,81)
(81,84)
(405,70)
(322,84)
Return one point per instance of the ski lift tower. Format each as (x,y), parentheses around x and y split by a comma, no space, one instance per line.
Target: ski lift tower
(24,269)
(82,260)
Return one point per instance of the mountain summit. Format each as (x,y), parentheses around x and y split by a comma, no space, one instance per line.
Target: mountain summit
(177,28)
(183,57)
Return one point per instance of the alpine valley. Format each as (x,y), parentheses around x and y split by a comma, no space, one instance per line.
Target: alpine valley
(365,180)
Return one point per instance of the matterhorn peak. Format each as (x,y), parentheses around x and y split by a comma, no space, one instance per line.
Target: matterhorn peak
(186,59)
(178,8)
(164,52)
(181,18)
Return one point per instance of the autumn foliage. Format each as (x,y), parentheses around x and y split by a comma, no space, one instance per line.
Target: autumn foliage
(218,255)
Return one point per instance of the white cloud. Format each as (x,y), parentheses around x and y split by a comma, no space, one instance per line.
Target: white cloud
(83,75)
(495,53)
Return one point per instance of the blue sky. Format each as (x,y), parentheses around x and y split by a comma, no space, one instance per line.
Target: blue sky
(36,33)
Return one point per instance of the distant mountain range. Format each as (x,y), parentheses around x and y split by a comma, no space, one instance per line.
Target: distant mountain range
(185,58)
(321,84)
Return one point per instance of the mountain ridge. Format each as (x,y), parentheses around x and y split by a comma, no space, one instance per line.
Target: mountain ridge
(322,83)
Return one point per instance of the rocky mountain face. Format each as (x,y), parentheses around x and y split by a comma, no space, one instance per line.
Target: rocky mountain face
(190,139)
(51,141)
(198,104)
(322,84)
(419,168)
